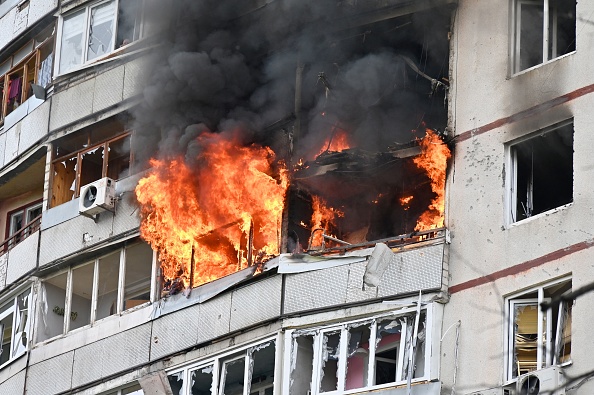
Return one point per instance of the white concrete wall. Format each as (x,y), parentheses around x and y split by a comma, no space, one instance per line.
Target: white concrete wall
(484,92)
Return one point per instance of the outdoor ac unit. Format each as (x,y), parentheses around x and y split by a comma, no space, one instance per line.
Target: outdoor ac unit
(548,381)
(494,391)
(96,197)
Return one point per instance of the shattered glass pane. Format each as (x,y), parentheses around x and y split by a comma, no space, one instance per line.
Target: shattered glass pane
(21,332)
(419,359)
(201,381)
(262,367)
(6,332)
(387,349)
(564,353)
(176,382)
(357,358)
(525,338)
(101,30)
(233,376)
(72,41)
(91,168)
(330,355)
(301,365)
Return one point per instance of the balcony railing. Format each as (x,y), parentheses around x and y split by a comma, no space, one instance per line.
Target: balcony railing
(21,235)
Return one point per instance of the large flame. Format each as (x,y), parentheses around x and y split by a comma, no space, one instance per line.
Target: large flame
(338,141)
(324,218)
(433,159)
(208,213)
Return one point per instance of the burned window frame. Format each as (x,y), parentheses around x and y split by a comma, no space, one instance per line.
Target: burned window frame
(550,326)
(85,9)
(548,33)
(512,213)
(20,63)
(10,306)
(78,168)
(218,362)
(119,304)
(408,322)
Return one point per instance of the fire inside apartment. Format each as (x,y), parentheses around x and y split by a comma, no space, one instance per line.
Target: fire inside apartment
(295,197)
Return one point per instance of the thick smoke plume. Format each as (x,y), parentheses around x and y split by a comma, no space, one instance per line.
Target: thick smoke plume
(232,66)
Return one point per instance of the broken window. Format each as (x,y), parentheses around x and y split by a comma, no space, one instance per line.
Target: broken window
(543,30)
(84,294)
(88,156)
(249,371)
(31,64)
(95,30)
(359,355)
(536,338)
(15,326)
(541,172)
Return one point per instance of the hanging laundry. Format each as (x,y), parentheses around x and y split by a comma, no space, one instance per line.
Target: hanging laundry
(15,89)
(44,77)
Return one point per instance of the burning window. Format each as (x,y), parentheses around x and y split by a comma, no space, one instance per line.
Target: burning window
(541,172)
(543,30)
(107,286)
(250,371)
(537,338)
(90,32)
(359,355)
(15,326)
(102,150)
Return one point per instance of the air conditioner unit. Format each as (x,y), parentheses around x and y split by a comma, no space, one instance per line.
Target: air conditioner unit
(548,381)
(494,391)
(96,197)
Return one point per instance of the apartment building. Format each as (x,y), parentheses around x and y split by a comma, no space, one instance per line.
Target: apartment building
(218,198)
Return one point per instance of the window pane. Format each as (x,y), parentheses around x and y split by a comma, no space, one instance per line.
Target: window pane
(16,222)
(561,27)
(176,382)
(262,373)
(233,376)
(301,372)
(129,18)
(53,297)
(330,354)
(419,360)
(387,349)
(6,332)
(119,158)
(107,295)
(91,168)
(530,30)
(22,323)
(139,259)
(33,212)
(72,40)
(358,357)
(201,380)
(525,337)
(82,290)
(101,30)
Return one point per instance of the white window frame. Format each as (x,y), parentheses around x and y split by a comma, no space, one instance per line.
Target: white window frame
(86,26)
(95,289)
(217,362)
(511,187)
(14,310)
(516,34)
(343,328)
(544,348)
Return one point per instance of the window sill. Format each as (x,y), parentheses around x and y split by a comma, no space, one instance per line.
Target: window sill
(11,361)
(540,215)
(528,70)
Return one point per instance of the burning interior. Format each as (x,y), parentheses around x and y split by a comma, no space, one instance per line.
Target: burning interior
(292,128)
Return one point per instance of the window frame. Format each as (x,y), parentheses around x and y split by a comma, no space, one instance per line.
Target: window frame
(406,329)
(24,210)
(13,310)
(233,354)
(545,358)
(515,36)
(85,32)
(511,180)
(119,305)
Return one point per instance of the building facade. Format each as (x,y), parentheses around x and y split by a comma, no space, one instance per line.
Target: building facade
(101,292)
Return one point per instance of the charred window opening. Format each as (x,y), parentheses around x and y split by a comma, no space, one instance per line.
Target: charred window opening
(536,338)
(101,150)
(15,324)
(542,172)
(85,294)
(361,355)
(543,30)
(250,371)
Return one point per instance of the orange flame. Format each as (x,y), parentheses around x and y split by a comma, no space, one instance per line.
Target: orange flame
(323,217)
(338,141)
(405,201)
(433,159)
(212,209)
